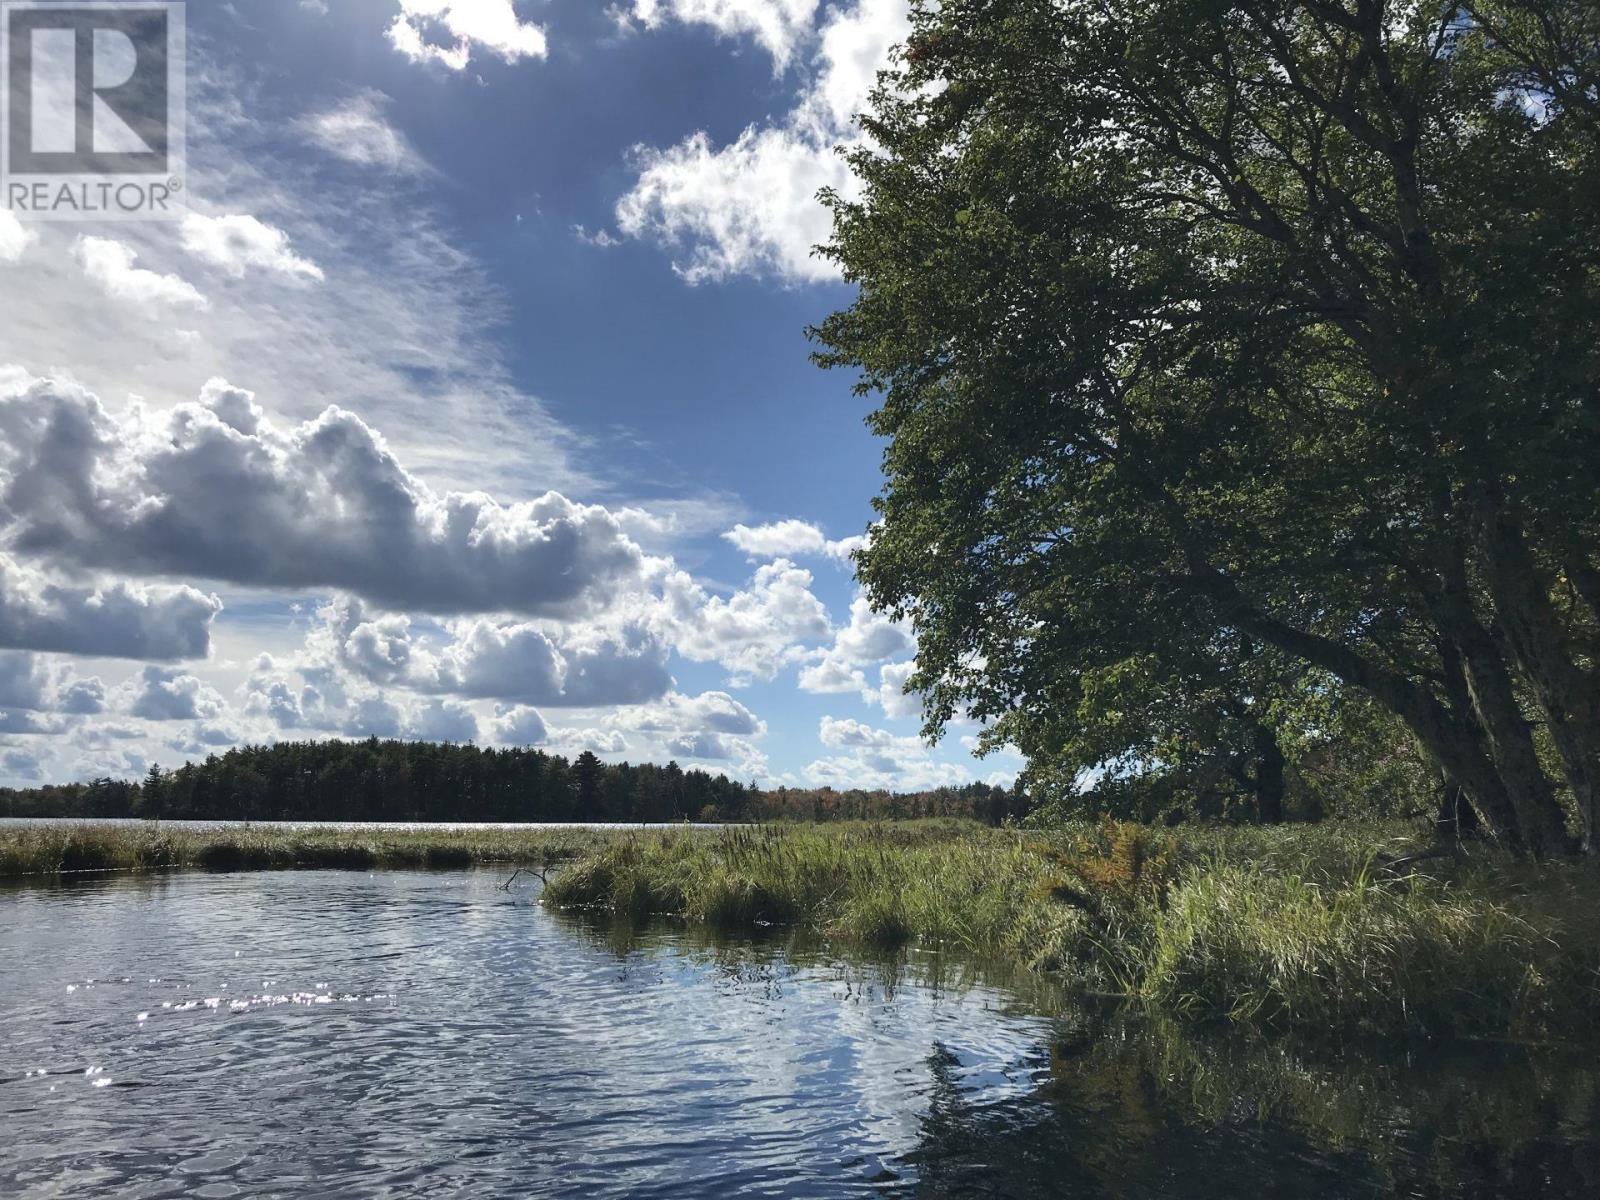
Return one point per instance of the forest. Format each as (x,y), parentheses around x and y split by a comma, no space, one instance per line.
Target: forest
(377,780)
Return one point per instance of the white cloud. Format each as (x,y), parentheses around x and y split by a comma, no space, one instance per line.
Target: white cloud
(405,330)
(870,637)
(29,683)
(109,264)
(14,236)
(82,697)
(21,766)
(712,726)
(871,769)
(582,665)
(709,712)
(117,620)
(877,758)
(442,721)
(847,731)
(788,539)
(778,25)
(490,24)
(372,716)
(239,242)
(23,680)
(574,741)
(865,640)
(359,132)
(518,725)
(161,694)
(212,489)
(750,207)
(600,238)
(757,630)
(831,677)
(900,775)
(891,690)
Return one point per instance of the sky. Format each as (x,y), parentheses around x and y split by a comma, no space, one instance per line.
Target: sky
(471,400)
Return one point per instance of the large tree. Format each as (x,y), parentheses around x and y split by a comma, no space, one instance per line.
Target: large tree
(1209,323)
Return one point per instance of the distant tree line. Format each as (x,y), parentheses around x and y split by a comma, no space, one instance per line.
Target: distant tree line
(428,781)
(979,801)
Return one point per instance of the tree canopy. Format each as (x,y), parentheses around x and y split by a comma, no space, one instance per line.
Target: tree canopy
(1237,356)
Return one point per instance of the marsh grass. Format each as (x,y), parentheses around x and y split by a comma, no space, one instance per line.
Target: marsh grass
(1325,927)
(53,850)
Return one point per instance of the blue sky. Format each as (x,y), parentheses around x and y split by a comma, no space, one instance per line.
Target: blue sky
(470,400)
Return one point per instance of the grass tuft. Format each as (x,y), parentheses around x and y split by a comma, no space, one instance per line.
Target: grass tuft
(1297,927)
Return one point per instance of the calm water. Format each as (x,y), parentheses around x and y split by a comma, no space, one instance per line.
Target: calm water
(415,1034)
(139,823)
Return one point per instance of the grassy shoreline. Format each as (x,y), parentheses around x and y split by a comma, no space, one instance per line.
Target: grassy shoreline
(52,850)
(1342,929)
(1339,928)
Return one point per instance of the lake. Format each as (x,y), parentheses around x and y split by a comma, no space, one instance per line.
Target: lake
(376,826)
(423,1034)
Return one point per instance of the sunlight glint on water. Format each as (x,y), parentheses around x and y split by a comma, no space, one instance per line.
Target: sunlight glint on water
(425,1034)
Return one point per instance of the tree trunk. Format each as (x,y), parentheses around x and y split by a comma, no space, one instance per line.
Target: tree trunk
(1451,739)
(1567,694)
(1269,776)
(1456,818)
(1474,652)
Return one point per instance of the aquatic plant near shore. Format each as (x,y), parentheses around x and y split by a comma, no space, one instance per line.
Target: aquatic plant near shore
(1325,928)
(51,850)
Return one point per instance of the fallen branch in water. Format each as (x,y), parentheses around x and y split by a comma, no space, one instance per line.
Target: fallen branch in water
(539,871)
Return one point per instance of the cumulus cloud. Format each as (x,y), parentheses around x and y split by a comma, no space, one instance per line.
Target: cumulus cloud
(575,741)
(891,694)
(358,131)
(714,747)
(240,242)
(518,725)
(162,694)
(29,685)
(442,721)
(778,25)
(21,766)
(905,772)
(490,24)
(788,539)
(830,677)
(870,637)
(865,640)
(109,264)
(82,697)
(750,207)
(876,758)
(14,237)
(758,629)
(215,490)
(23,681)
(205,737)
(112,620)
(586,665)
(712,726)
(835,731)
(372,716)
(709,712)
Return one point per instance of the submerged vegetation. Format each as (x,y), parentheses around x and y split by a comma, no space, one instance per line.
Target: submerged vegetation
(1358,928)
